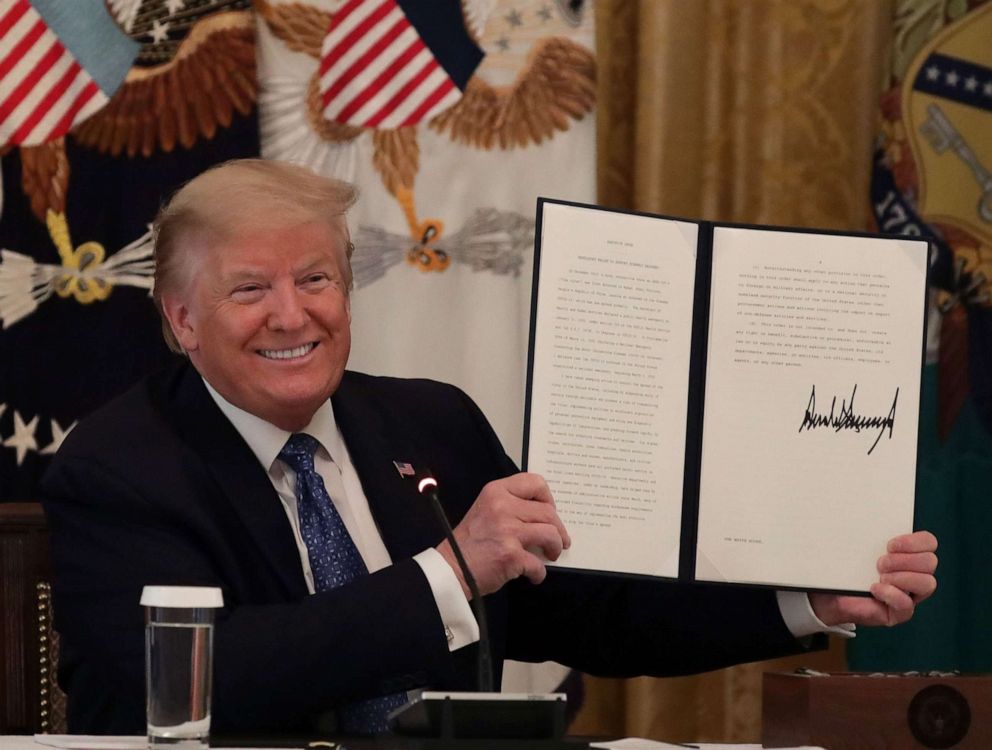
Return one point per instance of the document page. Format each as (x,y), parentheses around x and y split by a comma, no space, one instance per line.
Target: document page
(811,406)
(609,385)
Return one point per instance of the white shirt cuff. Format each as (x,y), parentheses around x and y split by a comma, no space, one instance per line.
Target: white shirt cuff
(460,626)
(802,621)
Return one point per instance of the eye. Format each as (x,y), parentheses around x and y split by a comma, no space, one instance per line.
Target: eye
(247,293)
(316,280)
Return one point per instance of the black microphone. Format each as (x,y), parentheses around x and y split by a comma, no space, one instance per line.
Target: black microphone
(454,717)
(427,486)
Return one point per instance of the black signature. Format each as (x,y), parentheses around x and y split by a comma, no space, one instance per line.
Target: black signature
(847,419)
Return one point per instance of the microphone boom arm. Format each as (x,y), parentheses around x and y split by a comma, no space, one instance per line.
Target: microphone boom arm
(428,488)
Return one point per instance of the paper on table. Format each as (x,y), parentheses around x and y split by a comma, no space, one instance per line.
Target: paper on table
(92,742)
(634,743)
(103,742)
(638,743)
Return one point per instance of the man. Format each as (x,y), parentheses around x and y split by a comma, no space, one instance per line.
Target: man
(262,467)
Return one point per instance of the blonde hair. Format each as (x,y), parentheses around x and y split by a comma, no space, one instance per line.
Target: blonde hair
(239,196)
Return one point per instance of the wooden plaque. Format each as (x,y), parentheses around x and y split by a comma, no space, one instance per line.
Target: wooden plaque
(858,711)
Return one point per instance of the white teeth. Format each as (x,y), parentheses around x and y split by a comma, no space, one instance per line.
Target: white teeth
(287,353)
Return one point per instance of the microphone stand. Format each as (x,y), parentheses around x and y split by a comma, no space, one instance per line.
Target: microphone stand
(485,720)
(428,488)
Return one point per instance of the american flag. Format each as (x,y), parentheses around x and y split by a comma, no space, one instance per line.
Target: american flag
(59,63)
(405,469)
(394,63)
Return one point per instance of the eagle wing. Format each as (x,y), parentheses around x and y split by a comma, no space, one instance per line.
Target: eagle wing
(211,75)
(556,85)
(301,27)
(45,176)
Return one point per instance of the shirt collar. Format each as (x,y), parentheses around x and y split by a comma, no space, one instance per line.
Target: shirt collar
(266,440)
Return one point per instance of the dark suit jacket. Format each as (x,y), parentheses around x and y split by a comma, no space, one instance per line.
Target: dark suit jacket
(158,488)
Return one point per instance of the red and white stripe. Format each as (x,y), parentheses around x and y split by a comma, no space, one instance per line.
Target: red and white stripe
(376,71)
(43,89)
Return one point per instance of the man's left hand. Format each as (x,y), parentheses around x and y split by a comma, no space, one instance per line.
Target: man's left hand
(906,579)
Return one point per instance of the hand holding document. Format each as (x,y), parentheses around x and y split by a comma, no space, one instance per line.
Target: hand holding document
(906,578)
(723,403)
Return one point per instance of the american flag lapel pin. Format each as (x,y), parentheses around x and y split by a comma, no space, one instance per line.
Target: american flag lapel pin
(405,469)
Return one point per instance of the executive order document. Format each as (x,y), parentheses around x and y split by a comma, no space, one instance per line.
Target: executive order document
(791,461)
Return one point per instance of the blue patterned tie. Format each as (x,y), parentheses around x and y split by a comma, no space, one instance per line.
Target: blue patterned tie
(334,561)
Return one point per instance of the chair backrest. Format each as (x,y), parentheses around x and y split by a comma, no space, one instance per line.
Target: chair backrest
(30,701)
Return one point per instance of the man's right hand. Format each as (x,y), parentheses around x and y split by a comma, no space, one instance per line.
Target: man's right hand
(510,517)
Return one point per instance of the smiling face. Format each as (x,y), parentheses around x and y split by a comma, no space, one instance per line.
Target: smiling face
(265,318)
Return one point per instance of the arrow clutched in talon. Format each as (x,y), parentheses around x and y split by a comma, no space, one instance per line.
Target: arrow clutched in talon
(490,240)
(424,255)
(84,274)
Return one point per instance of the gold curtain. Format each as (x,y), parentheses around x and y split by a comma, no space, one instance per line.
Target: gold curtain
(735,110)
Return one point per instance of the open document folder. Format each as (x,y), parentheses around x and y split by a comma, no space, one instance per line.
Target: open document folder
(734,404)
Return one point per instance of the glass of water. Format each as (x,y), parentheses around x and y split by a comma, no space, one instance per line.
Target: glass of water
(179,631)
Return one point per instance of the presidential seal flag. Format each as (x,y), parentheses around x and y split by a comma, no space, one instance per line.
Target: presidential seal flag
(394,63)
(59,64)
(77,323)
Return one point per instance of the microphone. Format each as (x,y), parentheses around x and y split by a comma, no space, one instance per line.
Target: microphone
(497,720)
(427,486)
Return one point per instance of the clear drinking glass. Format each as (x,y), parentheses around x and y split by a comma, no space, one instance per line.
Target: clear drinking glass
(179,632)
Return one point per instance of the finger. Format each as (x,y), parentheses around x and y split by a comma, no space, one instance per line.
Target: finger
(899,604)
(866,612)
(542,513)
(506,517)
(913,562)
(543,536)
(532,567)
(918,585)
(919,541)
(528,486)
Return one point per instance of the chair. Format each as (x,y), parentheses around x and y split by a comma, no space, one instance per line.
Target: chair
(30,700)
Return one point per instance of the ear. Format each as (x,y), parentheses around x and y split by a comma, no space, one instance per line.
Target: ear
(180,321)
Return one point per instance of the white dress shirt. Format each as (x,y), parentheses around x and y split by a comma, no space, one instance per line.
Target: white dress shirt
(266,441)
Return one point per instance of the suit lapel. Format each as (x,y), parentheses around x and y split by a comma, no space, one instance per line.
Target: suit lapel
(405,520)
(242,480)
